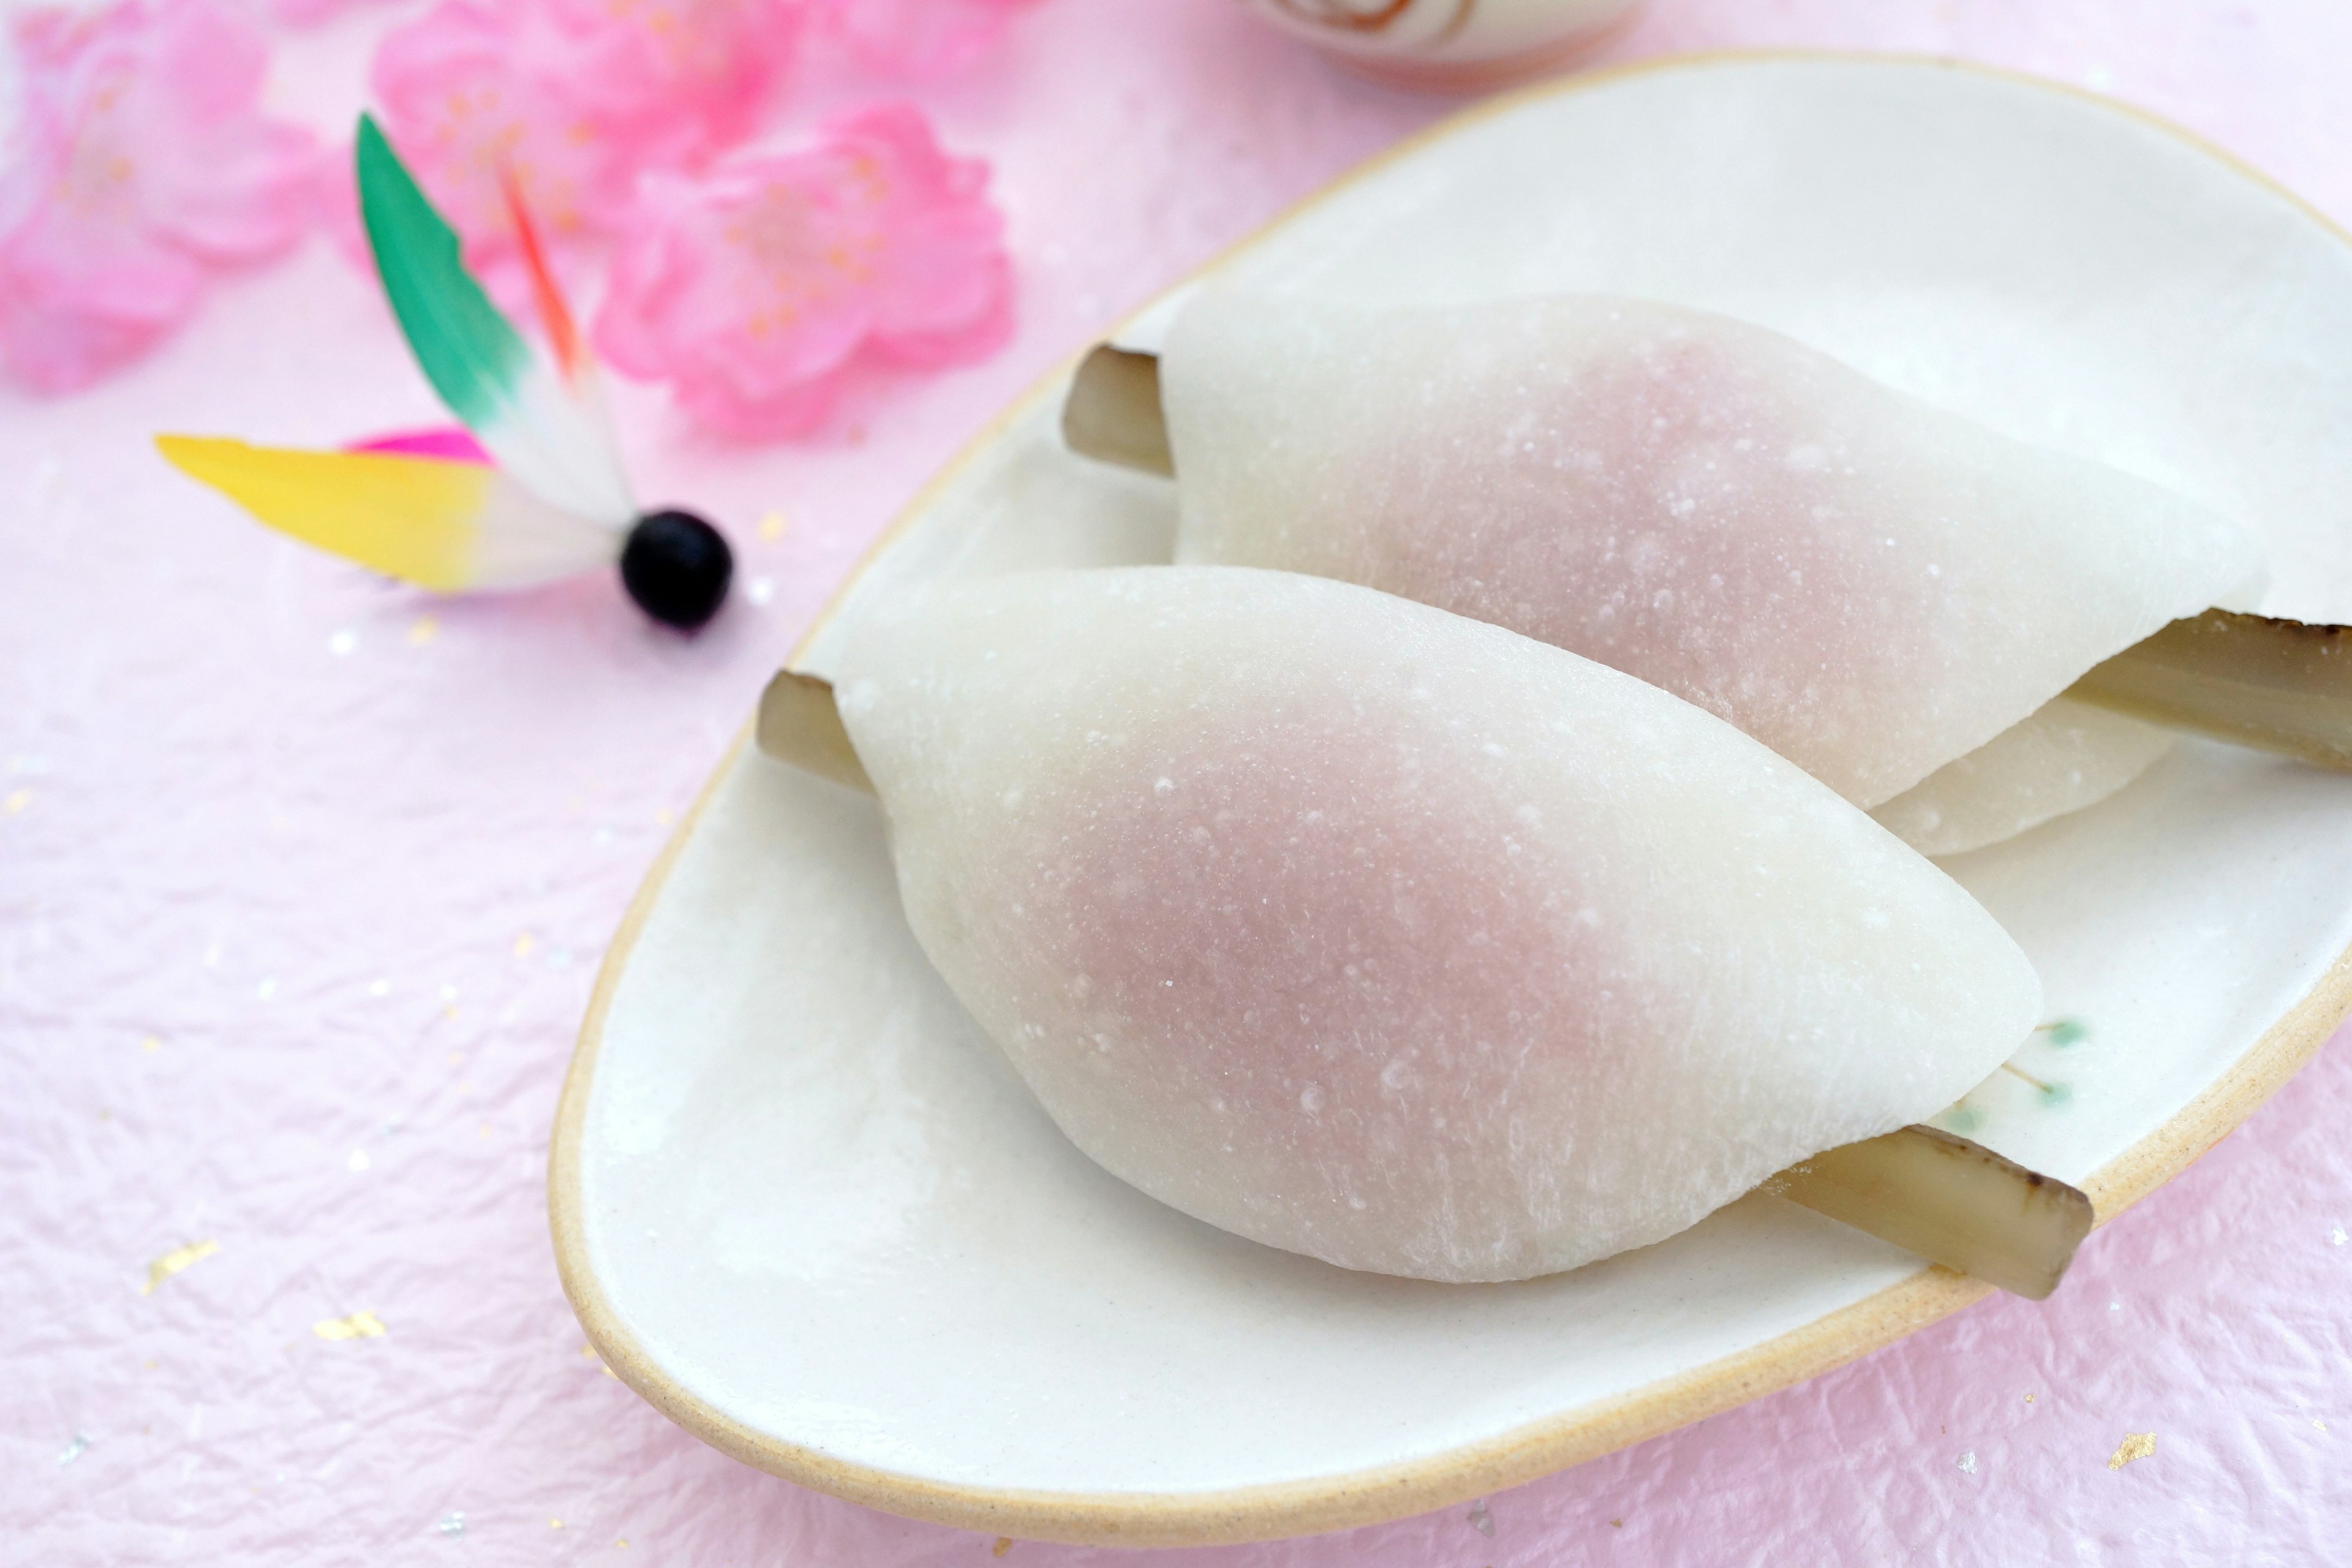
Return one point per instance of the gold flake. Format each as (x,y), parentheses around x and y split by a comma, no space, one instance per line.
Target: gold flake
(623,1543)
(771,527)
(18,801)
(523,944)
(150,1044)
(2316,1421)
(172,1262)
(2134,1446)
(555,1524)
(2028,1399)
(358,1326)
(420,632)
(1004,1544)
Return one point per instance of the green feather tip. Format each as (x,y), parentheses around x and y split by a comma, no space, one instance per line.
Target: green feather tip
(467,348)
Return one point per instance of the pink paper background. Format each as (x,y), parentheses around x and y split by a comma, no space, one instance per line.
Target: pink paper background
(303,881)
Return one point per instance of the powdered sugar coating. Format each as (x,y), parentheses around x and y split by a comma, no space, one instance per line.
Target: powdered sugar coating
(1869,585)
(1380,934)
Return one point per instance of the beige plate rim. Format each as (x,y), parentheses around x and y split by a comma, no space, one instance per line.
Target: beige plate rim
(1390,1491)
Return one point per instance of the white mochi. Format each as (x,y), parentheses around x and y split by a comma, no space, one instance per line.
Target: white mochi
(1394,938)
(1869,585)
(2065,756)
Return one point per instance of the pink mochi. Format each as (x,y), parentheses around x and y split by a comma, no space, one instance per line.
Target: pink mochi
(1377,933)
(1870,585)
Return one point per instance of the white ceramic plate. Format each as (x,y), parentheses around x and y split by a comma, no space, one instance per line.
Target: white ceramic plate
(799,1206)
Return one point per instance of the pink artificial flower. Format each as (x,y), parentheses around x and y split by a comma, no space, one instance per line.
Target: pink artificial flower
(576,97)
(141,164)
(754,291)
(919,37)
(688,79)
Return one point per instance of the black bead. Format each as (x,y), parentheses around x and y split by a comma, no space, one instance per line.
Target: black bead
(675,566)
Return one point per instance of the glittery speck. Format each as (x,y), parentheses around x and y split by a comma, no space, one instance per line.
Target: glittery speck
(342,642)
(2134,1446)
(2336,1237)
(358,1326)
(173,1261)
(18,799)
(1480,1520)
(524,944)
(151,1044)
(1968,1462)
(555,1524)
(452,1523)
(421,630)
(358,1162)
(266,989)
(771,527)
(760,590)
(80,1445)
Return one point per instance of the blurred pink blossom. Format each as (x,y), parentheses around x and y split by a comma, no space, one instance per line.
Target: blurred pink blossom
(688,79)
(755,290)
(923,38)
(577,97)
(141,164)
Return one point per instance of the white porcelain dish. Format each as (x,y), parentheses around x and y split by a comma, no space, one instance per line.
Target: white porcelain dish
(799,1206)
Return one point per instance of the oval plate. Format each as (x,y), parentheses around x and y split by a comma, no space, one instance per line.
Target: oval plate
(799,1206)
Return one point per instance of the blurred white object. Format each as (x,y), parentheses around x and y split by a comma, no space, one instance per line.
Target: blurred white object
(1450,46)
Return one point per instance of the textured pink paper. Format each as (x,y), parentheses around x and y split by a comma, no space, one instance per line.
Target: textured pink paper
(348,858)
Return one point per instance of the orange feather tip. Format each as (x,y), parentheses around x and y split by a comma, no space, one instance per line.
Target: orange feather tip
(555,313)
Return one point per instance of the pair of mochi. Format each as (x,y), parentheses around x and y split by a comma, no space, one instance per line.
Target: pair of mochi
(1379,934)
(1362,924)
(1888,595)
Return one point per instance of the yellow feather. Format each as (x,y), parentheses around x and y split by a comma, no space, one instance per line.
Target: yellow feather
(408,517)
